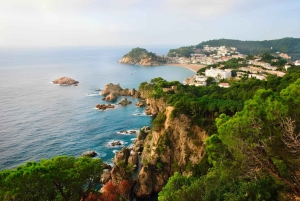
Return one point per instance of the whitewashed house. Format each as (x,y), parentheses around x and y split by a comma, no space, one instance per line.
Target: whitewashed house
(217,73)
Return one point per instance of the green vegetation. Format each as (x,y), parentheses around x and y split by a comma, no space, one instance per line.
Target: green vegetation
(253,149)
(59,178)
(158,122)
(291,46)
(254,153)
(181,52)
(140,53)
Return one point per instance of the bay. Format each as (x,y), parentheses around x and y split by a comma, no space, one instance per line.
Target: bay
(40,120)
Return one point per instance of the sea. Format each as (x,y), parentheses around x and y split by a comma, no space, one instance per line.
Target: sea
(41,120)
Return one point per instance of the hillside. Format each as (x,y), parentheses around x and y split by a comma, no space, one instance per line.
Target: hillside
(142,57)
(291,46)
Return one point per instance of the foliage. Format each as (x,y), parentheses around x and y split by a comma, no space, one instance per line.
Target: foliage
(290,46)
(140,53)
(158,122)
(59,178)
(110,192)
(254,154)
(181,52)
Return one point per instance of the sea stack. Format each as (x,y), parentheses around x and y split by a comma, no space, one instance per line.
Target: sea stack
(65,81)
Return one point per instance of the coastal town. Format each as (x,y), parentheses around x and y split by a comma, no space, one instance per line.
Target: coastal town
(213,61)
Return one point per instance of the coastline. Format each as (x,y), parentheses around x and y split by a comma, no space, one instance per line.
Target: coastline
(192,67)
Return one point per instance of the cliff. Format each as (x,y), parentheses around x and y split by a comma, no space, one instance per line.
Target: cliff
(140,56)
(174,145)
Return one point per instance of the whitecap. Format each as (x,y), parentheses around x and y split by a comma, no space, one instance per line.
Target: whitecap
(93,94)
(101,154)
(141,114)
(121,141)
(128,132)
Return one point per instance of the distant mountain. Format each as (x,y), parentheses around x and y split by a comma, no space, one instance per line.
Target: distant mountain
(291,46)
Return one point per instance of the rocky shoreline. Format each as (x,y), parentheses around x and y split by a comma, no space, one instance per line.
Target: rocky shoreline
(125,158)
(155,152)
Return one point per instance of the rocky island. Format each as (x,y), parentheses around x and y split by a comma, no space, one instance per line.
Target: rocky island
(65,81)
(140,56)
(112,91)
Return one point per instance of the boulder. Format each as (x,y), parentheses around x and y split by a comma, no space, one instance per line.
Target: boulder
(124,102)
(65,81)
(111,97)
(89,154)
(112,88)
(140,104)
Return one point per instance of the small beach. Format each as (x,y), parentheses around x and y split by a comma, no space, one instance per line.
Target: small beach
(193,67)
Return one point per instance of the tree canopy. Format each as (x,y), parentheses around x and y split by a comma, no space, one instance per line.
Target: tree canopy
(255,153)
(59,178)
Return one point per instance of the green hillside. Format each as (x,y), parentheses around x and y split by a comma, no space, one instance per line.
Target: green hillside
(291,46)
(139,53)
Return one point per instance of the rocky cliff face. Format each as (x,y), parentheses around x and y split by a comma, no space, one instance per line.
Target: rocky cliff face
(176,147)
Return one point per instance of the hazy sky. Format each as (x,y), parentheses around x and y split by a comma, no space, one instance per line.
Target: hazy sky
(60,23)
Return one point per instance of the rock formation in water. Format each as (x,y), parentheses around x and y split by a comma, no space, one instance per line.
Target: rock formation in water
(89,154)
(65,81)
(104,106)
(112,91)
(140,56)
(124,102)
(140,103)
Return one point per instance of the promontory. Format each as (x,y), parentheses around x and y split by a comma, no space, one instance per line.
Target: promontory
(140,56)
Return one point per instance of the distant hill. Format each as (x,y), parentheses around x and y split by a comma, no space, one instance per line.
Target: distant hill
(142,57)
(291,46)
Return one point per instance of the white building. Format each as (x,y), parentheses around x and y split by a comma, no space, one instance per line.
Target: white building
(259,77)
(297,63)
(200,80)
(265,65)
(217,73)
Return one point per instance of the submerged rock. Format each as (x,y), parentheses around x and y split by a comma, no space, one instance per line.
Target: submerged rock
(65,81)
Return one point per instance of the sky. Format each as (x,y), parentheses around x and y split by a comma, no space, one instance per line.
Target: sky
(69,23)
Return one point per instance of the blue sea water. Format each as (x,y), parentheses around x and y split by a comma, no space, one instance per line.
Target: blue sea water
(40,120)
